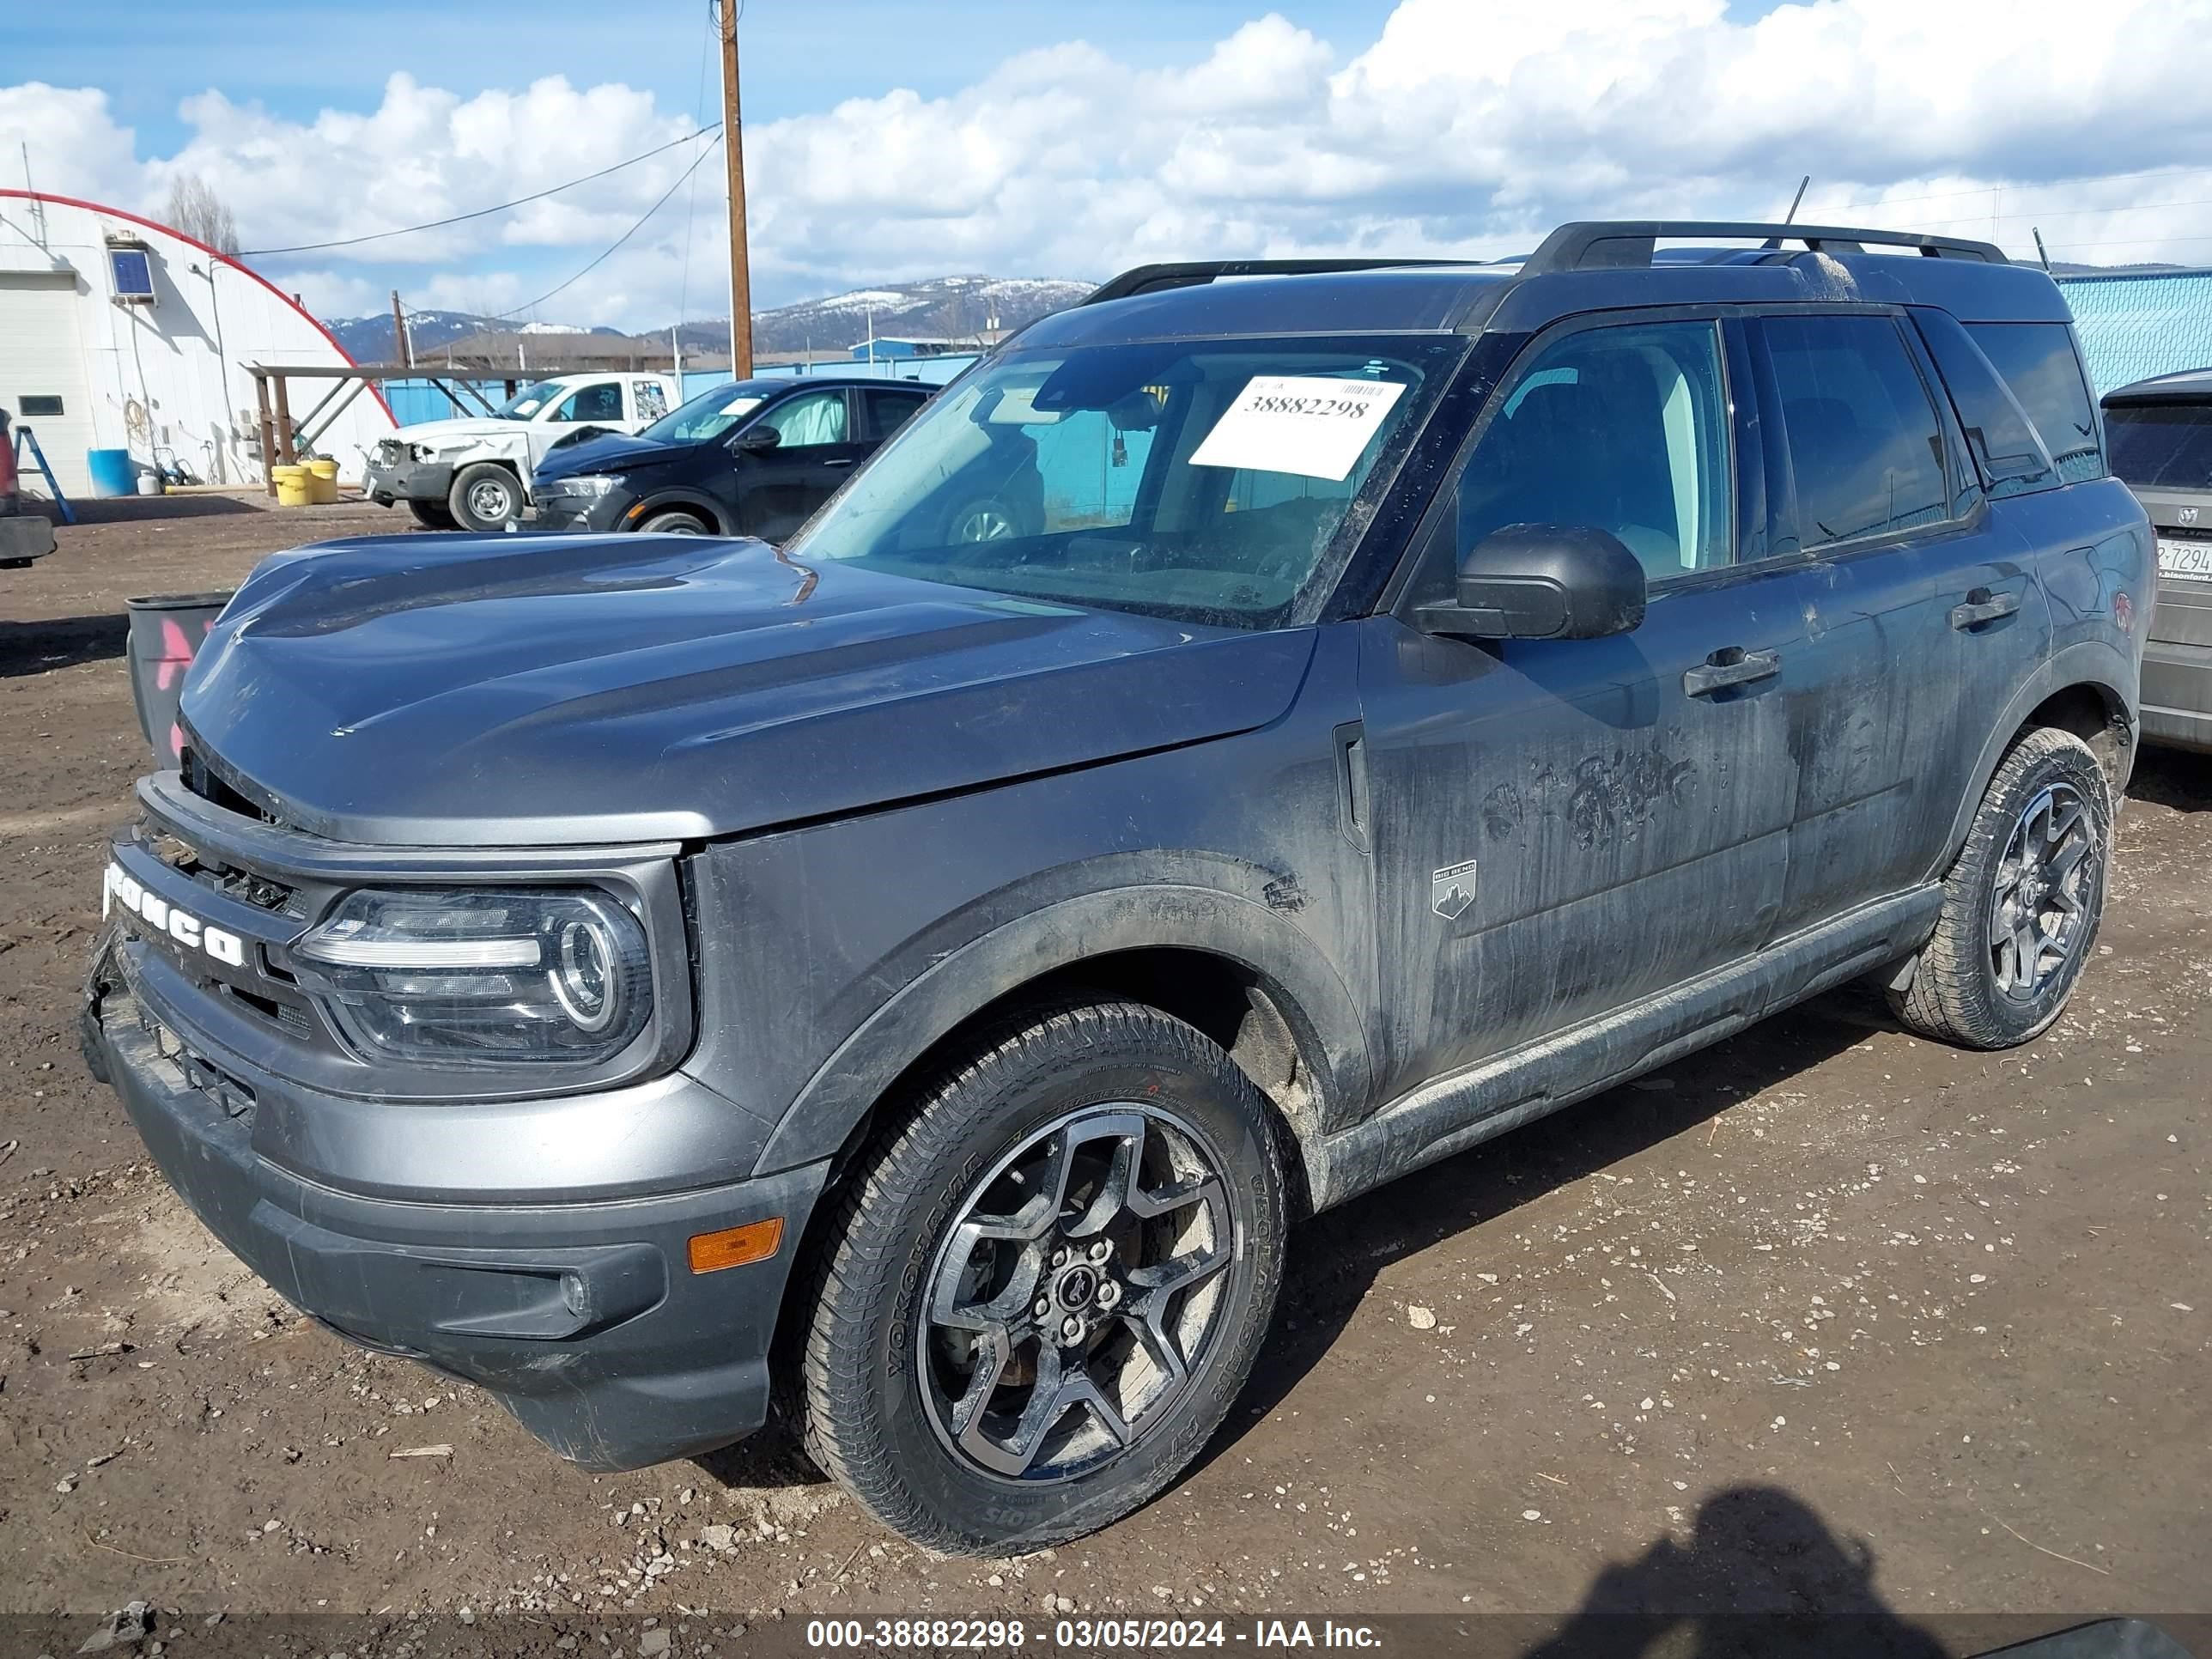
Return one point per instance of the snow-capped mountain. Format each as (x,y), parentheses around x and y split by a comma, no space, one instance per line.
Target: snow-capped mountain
(937,308)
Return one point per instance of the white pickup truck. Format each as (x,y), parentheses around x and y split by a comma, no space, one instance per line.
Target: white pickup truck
(474,473)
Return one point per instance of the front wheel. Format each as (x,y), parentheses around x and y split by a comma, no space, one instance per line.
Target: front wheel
(674,522)
(432,515)
(2022,903)
(1045,1287)
(485,496)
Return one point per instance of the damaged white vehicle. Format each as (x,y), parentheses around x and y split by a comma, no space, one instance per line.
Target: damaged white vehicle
(473,473)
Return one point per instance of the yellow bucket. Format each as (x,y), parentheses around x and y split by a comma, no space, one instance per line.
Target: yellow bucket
(323,481)
(293,487)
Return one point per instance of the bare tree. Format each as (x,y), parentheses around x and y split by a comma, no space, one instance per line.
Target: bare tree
(196,210)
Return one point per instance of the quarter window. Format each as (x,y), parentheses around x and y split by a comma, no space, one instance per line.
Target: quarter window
(1864,445)
(1624,429)
(2039,363)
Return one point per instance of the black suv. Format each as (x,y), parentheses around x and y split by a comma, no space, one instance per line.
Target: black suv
(2160,431)
(930,971)
(754,457)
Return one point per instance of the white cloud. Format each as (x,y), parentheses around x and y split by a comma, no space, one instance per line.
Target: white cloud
(1456,129)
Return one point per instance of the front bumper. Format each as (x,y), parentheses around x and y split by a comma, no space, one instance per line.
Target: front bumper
(584,1319)
(596,514)
(408,481)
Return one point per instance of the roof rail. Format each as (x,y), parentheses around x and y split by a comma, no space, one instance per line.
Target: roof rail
(1151,279)
(1612,244)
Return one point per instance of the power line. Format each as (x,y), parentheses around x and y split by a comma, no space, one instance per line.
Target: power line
(620,240)
(1987,189)
(481,213)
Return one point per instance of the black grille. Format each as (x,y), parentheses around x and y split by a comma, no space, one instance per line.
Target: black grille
(247,886)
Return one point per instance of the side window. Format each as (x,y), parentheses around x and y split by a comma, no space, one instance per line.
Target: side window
(814,417)
(650,401)
(890,410)
(2003,441)
(2039,363)
(1864,444)
(1623,428)
(601,401)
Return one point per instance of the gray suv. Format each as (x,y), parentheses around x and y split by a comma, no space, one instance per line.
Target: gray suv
(2160,433)
(915,978)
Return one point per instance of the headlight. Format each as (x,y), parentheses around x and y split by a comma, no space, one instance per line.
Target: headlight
(521,977)
(589,486)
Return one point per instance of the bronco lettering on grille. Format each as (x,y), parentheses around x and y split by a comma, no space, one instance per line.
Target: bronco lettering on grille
(188,930)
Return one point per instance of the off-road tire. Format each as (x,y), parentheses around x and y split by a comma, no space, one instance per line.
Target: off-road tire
(675,521)
(478,480)
(866,1421)
(432,515)
(1954,994)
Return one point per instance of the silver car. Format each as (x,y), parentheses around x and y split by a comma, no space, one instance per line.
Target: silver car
(2160,435)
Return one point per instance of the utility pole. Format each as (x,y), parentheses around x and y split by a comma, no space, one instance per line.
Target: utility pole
(741,284)
(401,353)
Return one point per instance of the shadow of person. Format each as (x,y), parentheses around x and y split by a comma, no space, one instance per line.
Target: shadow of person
(1762,1574)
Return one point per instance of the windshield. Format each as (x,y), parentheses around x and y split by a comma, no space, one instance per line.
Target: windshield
(2161,446)
(1215,481)
(709,415)
(528,401)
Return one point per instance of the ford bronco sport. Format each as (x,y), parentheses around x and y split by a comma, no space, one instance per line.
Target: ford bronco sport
(918,979)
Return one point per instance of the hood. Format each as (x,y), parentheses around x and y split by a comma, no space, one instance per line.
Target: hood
(588,690)
(607,451)
(444,435)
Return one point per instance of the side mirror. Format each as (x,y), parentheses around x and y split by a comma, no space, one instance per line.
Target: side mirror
(1543,582)
(758,439)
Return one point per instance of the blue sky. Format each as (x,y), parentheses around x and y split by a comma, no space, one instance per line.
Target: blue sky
(898,139)
(798,55)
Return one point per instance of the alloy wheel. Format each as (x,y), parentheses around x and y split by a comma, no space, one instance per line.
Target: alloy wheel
(1076,1293)
(2040,902)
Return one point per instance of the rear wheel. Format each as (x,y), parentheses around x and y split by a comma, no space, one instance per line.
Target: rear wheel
(1044,1289)
(2022,903)
(485,496)
(432,515)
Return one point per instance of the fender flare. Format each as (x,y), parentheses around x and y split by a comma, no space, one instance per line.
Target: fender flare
(1305,988)
(681,496)
(2097,664)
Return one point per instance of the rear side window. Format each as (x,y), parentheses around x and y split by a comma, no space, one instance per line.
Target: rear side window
(2155,446)
(2039,363)
(2007,452)
(890,410)
(1864,445)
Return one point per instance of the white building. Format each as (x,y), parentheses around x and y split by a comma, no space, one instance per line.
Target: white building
(120,333)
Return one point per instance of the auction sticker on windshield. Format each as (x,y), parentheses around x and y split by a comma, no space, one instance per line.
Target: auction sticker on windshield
(1310,424)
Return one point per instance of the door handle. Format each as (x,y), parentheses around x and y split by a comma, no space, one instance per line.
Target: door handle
(1983,606)
(846,461)
(1730,665)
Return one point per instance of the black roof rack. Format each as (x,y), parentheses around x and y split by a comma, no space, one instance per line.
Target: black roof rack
(1587,245)
(1613,243)
(1151,279)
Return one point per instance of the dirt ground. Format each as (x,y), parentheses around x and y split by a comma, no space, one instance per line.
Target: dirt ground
(1824,1320)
